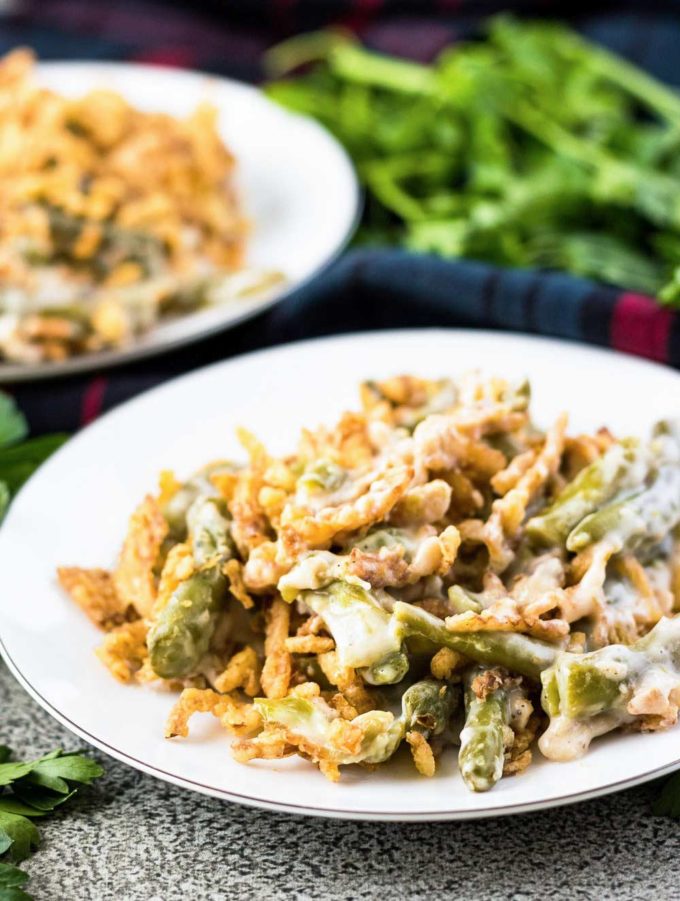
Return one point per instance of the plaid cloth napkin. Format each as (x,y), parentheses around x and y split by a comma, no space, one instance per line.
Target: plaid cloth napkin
(365,289)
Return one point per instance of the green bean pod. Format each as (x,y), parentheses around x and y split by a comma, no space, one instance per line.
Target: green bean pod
(199,485)
(645,517)
(482,740)
(391,669)
(210,532)
(181,634)
(462,601)
(427,706)
(512,650)
(622,465)
(588,694)
(361,629)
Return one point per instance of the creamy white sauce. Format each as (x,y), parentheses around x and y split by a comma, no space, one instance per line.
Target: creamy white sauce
(360,627)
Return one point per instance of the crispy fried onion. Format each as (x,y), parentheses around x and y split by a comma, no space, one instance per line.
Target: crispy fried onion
(404,399)
(237,717)
(466,500)
(134,576)
(94,592)
(422,504)
(343,740)
(348,445)
(345,678)
(309,644)
(421,751)
(518,756)
(300,524)
(440,445)
(242,671)
(233,570)
(521,608)
(391,566)
(508,512)
(250,526)
(445,662)
(278,665)
(507,478)
(123,651)
(266,564)
(178,566)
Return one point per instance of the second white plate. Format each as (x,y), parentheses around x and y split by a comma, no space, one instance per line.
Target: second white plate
(75,510)
(296,183)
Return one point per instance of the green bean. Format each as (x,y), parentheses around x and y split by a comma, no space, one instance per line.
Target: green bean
(323,475)
(181,634)
(387,537)
(620,467)
(482,741)
(645,517)
(512,650)
(588,694)
(209,530)
(361,630)
(391,669)
(667,429)
(427,706)
(462,601)
(184,628)
(176,509)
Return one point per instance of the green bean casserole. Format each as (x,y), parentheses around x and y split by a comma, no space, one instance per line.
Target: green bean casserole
(434,571)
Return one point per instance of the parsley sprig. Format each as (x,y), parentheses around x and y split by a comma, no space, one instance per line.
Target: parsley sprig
(19,456)
(527,147)
(30,790)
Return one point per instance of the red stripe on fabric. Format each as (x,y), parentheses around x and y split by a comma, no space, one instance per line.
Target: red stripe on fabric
(640,326)
(363,12)
(411,38)
(93,400)
(284,17)
(177,57)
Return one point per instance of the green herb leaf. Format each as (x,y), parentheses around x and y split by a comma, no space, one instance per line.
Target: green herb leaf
(530,147)
(20,461)
(10,804)
(14,894)
(11,880)
(4,499)
(53,770)
(21,832)
(9,772)
(5,753)
(37,797)
(11,876)
(13,425)
(667,803)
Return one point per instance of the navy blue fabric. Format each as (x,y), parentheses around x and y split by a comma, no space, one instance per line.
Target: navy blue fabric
(365,289)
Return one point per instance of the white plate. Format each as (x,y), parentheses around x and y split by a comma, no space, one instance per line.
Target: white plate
(296,183)
(75,509)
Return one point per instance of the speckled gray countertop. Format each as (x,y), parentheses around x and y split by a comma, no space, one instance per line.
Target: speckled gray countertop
(131,838)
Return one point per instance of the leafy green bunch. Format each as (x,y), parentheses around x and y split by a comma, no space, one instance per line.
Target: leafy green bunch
(28,791)
(19,457)
(529,147)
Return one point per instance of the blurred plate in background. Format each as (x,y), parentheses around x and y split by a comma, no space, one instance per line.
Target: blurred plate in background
(296,183)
